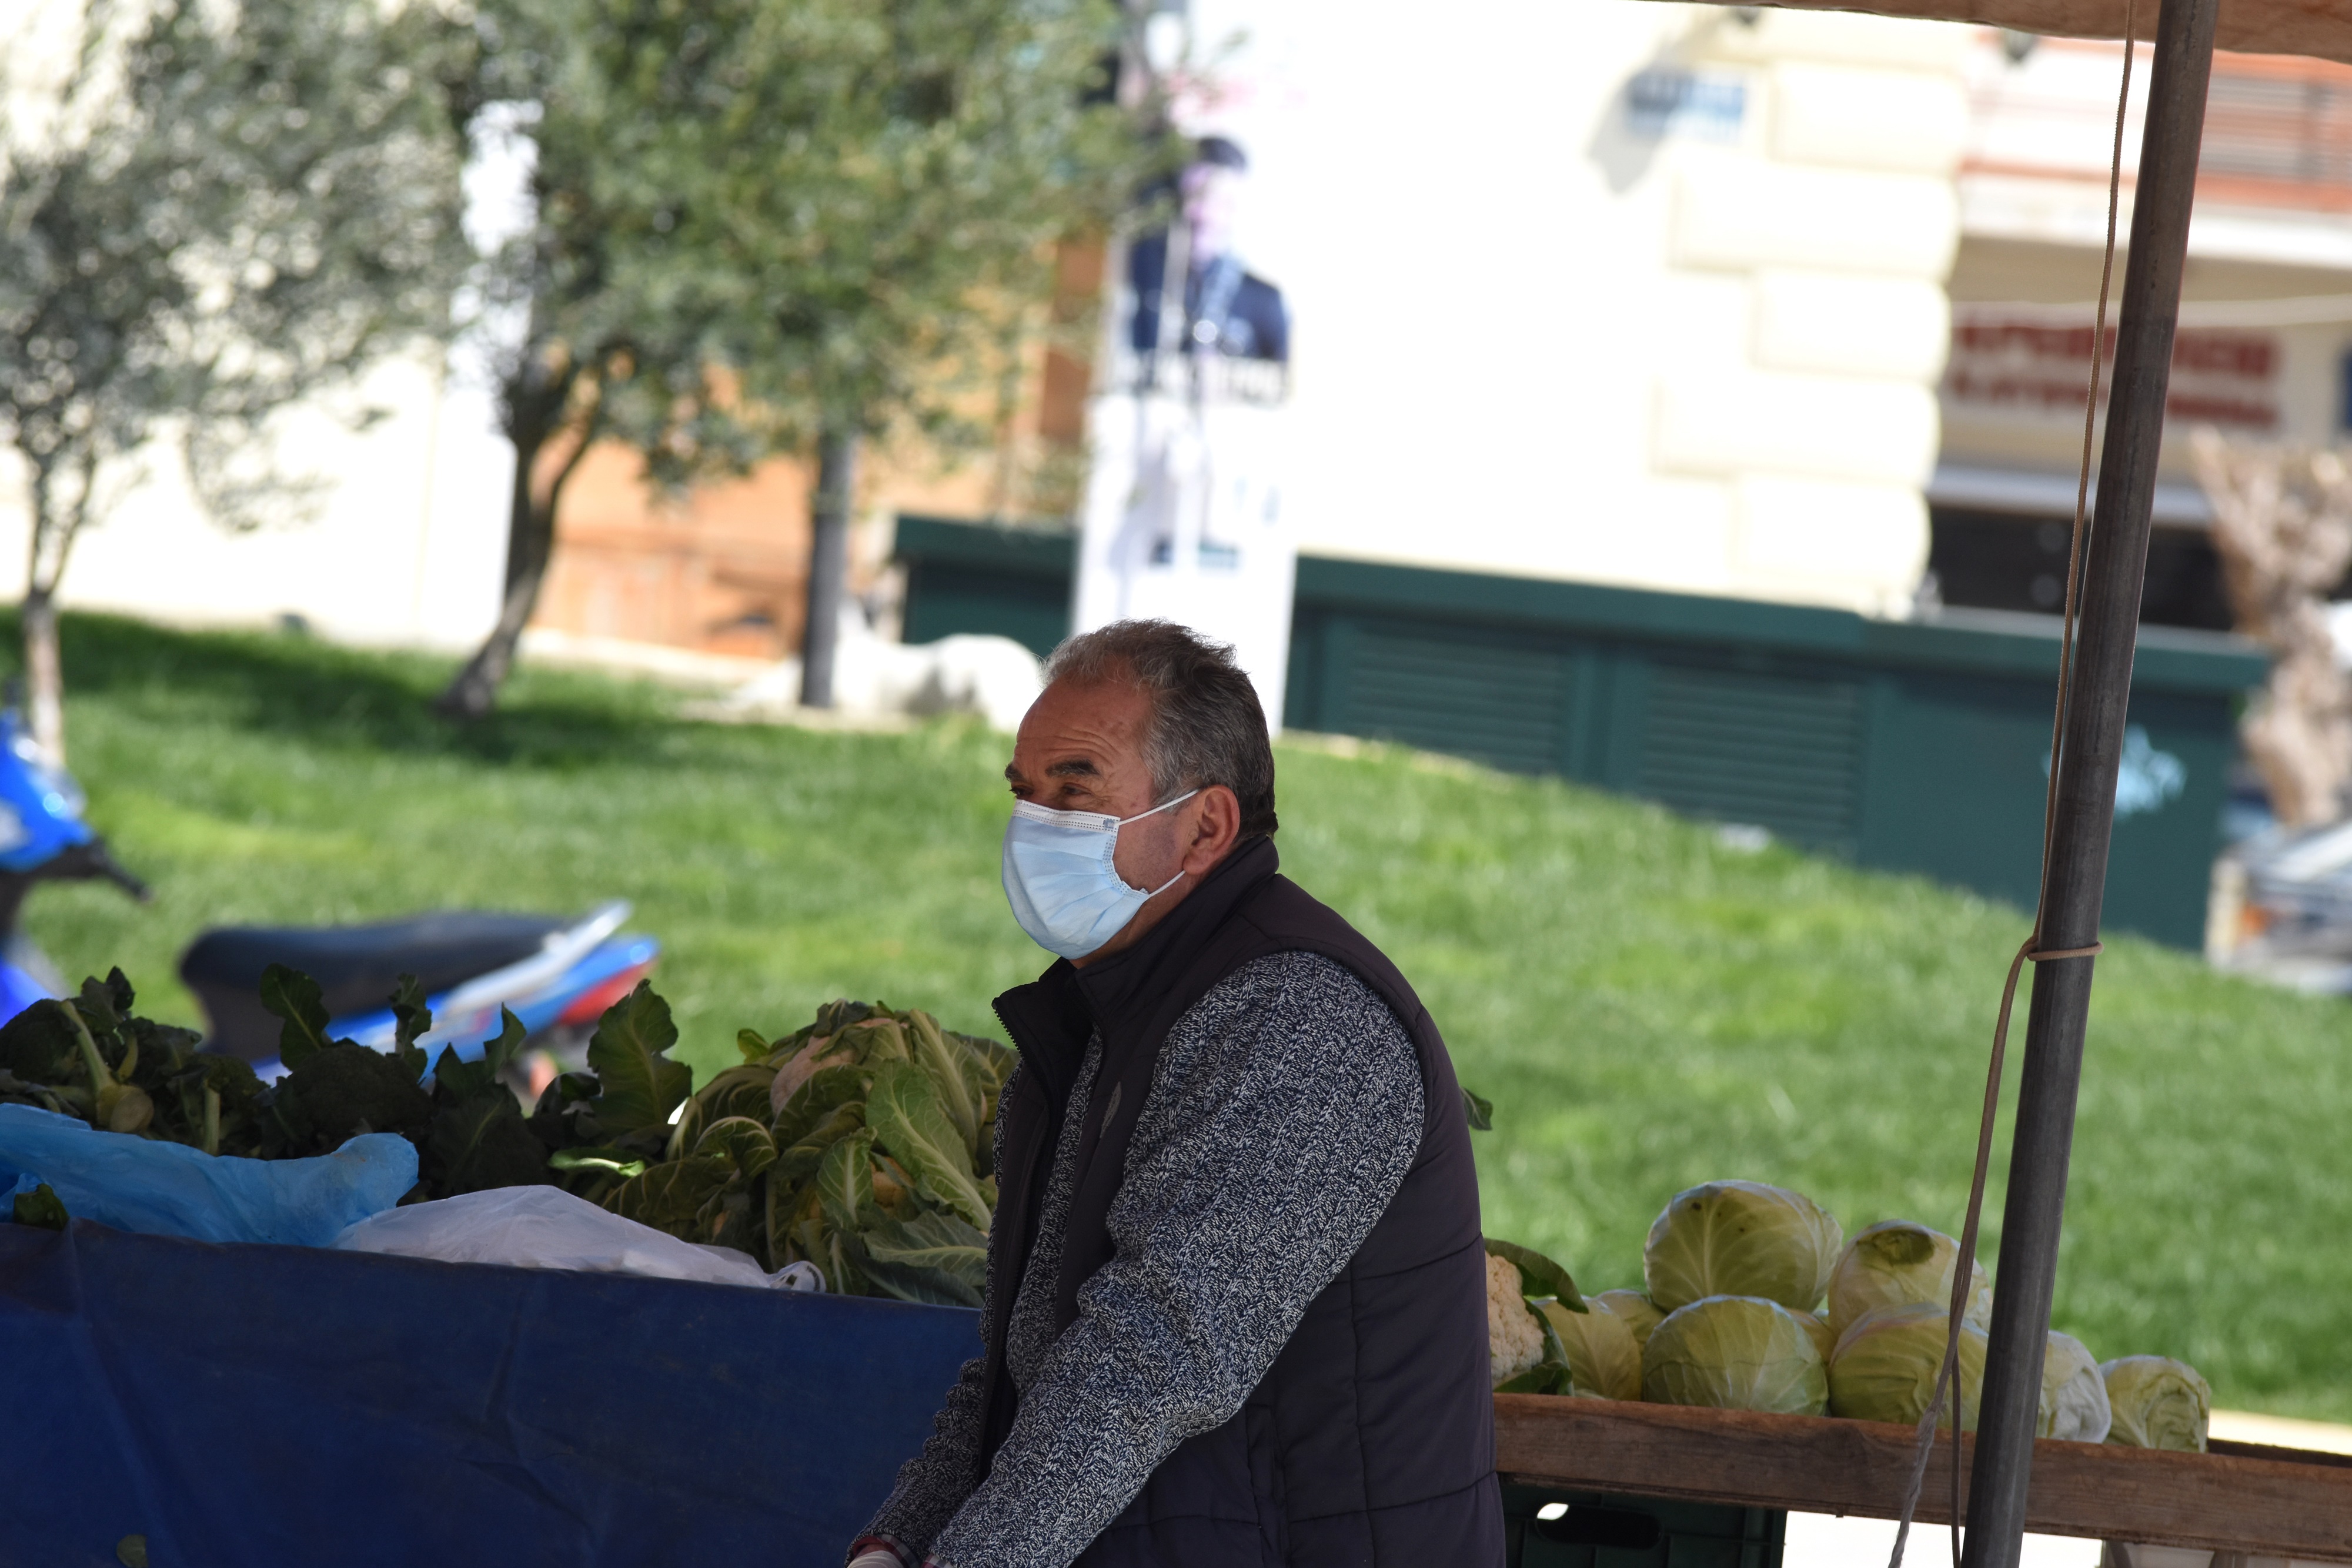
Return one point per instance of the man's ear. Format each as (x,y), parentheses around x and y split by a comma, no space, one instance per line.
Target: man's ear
(1216,827)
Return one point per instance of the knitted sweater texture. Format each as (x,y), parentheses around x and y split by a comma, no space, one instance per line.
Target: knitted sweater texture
(1285,1111)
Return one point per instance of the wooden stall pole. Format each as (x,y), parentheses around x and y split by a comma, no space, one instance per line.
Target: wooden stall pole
(2092,746)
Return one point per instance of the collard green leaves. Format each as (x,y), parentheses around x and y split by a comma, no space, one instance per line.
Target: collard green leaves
(345,1090)
(480,1143)
(750,1146)
(933,1257)
(955,1089)
(294,998)
(670,1197)
(641,1085)
(859,1143)
(904,1110)
(844,1183)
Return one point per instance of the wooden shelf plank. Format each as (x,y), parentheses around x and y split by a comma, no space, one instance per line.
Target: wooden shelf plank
(2260,1502)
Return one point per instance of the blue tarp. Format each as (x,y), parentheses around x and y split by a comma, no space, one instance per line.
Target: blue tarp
(288,1406)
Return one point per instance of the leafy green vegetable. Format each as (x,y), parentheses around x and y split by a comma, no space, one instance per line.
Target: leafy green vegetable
(934,1257)
(42,1208)
(1549,1376)
(1740,1238)
(737,1091)
(1735,1353)
(411,1019)
(467,1080)
(956,1098)
(480,1143)
(36,1042)
(1896,1263)
(1886,1363)
(670,1197)
(2157,1402)
(903,1108)
(1480,1111)
(750,1145)
(872,1167)
(641,1086)
(610,1162)
(1599,1349)
(294,998)
(803,1157)
(844,1183)
(1540,1278)
(344,1090)
(825,1093)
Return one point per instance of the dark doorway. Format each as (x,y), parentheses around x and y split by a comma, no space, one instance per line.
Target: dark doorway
(2002,561)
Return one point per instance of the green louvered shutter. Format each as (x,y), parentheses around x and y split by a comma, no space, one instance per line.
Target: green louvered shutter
(1499,702)
(1783,751)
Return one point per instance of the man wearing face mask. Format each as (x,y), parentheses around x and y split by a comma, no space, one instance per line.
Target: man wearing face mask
(1237,1291)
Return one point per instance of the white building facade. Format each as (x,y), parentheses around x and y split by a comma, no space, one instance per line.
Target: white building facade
(1653,295)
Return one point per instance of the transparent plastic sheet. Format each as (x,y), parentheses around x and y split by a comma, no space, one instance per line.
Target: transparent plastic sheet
(547,1227)
(160,1189)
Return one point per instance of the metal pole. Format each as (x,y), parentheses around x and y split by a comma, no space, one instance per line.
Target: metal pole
(2075,878)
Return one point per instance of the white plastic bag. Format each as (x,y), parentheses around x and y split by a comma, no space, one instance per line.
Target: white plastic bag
(547,1227)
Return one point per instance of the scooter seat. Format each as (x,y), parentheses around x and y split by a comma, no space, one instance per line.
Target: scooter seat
(356,966)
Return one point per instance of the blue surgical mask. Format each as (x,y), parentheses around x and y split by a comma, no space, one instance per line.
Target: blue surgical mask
(1059,878)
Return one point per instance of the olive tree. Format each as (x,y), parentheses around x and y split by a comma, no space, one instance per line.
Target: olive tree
(212,212)
(780,227)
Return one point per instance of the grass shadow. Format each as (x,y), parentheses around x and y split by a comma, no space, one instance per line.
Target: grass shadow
(278,682)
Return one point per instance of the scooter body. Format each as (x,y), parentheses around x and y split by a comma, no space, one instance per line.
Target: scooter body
(555,973)
(43,838)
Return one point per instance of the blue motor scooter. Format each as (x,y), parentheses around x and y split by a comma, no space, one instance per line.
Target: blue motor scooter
(42,839)
(556,975)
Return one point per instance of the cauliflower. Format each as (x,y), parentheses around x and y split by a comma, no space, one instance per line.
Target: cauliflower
(1515,1342)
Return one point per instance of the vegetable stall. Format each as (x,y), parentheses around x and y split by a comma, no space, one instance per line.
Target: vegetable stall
(195,1396)
(2239,1502)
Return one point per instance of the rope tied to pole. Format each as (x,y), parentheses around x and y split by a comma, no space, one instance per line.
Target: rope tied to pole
(2030,950)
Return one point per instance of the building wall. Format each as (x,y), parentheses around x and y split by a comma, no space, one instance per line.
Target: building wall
(1601,290)
(2266,320)
(407,547)
(2266,312)
(1553,320)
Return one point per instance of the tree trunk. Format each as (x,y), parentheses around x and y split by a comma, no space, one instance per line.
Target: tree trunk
(537,407)
(828,563)
(44,682)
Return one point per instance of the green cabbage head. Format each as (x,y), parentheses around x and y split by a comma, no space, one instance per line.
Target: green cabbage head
(2158,1403)
(1885,1367)
(1603,1357)
(1818,1326)
(2073,1393)
(1631,1308)
(1740,1238)
(1735,1353)
(1896,1263)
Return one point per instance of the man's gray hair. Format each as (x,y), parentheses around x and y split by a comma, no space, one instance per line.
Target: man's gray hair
(1206,725)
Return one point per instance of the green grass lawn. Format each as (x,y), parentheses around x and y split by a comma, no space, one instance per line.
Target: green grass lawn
(1647,1009)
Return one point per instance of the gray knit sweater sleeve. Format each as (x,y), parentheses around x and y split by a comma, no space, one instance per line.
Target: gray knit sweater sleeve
(1285,1111)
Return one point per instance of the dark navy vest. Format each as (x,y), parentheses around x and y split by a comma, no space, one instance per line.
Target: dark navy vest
(1371,1442)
